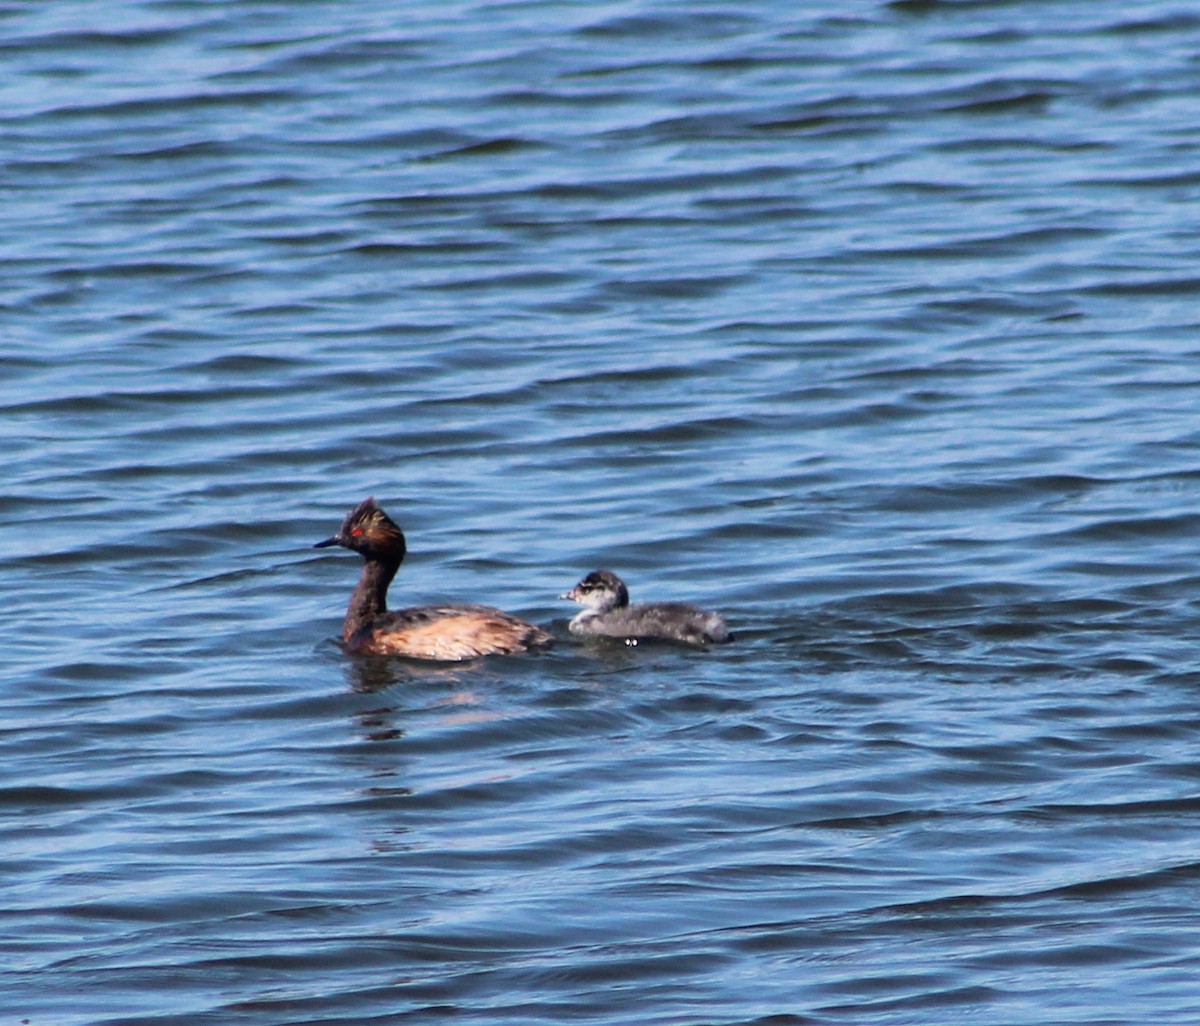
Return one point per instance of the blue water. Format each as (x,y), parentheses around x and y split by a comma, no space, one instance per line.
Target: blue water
(872,325)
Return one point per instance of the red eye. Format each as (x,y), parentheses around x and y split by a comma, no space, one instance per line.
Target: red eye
(356,532)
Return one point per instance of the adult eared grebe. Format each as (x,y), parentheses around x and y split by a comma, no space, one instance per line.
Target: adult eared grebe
(607,613)
(450,632)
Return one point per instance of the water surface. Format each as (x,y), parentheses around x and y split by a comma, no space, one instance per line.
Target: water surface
(870,324)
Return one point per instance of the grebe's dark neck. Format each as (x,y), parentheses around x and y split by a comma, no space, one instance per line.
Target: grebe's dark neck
(370,595)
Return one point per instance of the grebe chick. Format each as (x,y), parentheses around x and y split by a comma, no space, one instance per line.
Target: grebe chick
(607,613)
(451,632)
